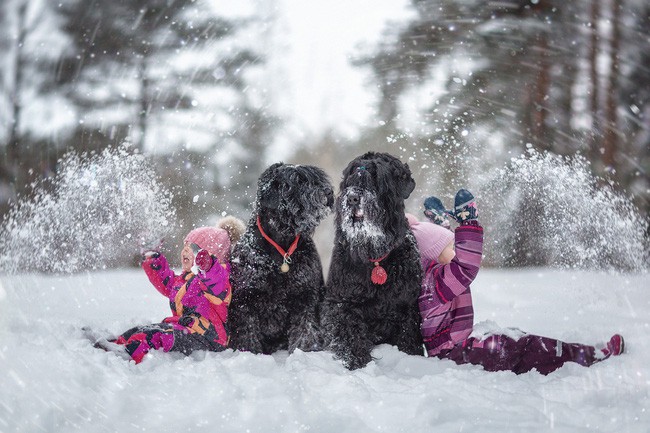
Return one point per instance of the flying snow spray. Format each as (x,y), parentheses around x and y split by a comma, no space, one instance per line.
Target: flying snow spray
(96,211)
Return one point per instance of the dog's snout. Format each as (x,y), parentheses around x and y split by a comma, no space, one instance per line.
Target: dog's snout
(328,198)
(353,200)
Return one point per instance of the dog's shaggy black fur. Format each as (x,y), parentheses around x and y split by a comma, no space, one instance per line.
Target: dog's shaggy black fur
(272,310)
(370,224)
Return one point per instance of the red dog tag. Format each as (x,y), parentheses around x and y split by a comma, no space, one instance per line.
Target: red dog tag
(378,275)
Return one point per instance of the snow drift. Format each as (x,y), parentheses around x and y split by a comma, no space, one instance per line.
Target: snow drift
(53,380)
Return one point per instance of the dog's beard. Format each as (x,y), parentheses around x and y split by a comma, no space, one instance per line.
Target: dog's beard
(360,224)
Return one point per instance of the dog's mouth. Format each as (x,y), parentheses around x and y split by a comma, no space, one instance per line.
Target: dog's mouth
(353,202)
(357,216)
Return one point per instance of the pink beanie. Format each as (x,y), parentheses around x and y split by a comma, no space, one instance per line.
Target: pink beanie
(213,239)
(432,239)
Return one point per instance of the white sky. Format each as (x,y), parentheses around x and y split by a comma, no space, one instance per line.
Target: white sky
(324,90)
(309,45)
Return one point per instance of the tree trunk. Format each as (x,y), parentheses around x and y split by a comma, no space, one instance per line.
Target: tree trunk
(610,138)
(539,127)
(16,103)
(143,113)
(595,85)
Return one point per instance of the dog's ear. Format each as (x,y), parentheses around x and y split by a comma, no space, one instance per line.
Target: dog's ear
(351,168)
(270,199)
(347,172)
(269,194)
(408,189)
(407,183)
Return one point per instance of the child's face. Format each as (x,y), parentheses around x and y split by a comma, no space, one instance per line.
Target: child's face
(187,258)
(447,255)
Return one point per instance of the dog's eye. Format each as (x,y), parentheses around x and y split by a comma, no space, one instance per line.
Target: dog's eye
(325,196)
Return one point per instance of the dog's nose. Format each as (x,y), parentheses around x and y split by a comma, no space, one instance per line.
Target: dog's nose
(353,200)
(329,198)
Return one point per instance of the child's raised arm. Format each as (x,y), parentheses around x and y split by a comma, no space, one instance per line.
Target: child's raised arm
(454,278)
(469,235)
(157,268)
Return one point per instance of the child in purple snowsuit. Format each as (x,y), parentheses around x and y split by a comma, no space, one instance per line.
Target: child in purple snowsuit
(199,297)
(446,301)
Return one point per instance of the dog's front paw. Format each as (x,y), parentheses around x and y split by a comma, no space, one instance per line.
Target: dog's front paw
(307,345)
(309,339)
(356,362)
(246,344)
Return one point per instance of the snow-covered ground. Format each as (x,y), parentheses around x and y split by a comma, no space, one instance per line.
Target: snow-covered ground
(52,380)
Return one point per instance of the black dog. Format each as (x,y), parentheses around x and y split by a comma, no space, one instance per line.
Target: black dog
(277,276)
(375,275)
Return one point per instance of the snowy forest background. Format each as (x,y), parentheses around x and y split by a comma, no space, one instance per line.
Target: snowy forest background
(541,107)
(123,121)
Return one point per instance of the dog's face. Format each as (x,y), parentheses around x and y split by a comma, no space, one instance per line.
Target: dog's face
(370,205)
(294,198)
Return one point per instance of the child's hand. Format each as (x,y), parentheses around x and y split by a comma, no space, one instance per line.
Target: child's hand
(464,207)
(150,254)
(203,261)
(152,259)
(436,212)
(150,247)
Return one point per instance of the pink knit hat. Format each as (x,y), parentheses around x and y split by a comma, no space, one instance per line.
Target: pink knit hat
(432,239)
(213,239)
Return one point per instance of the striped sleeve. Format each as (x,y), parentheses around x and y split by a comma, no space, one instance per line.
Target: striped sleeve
(454,278)
(449,281)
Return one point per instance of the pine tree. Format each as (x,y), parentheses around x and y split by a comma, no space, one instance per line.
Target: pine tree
(172,75)
(29,46)
(521,74)
(124,58)
(633,160)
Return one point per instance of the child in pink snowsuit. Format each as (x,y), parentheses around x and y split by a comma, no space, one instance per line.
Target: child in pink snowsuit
(198,297)
(451,261)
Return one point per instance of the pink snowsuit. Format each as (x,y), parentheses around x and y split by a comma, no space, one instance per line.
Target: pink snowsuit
(199,306)
(448,318)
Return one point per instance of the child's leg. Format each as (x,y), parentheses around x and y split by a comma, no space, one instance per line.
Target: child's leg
(494,353)
(139,340)
(547,354)
(539,353)
(500,352)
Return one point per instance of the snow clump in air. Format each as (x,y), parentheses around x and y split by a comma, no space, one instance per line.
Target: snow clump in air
(551,210)
(97,211)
